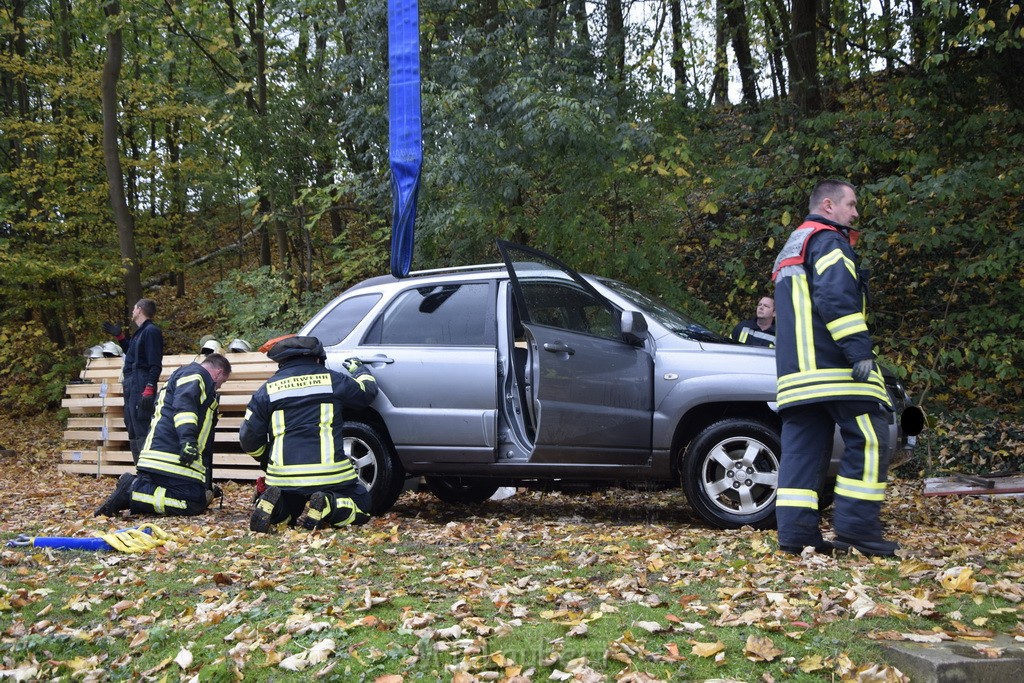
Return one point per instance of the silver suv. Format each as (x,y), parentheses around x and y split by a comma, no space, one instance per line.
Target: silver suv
(529,374)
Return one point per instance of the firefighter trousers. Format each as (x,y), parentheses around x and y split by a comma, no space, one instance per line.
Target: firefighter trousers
(160,495)
(808,432)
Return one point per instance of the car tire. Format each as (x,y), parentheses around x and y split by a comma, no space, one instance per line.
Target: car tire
(374,459)
(460,490)
(730,473)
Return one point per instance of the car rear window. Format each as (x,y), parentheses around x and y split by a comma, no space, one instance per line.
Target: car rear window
(440,315)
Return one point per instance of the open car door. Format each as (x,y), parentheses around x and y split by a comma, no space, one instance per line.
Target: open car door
(591,389)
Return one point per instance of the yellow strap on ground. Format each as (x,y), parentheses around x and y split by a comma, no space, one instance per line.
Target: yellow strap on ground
(137,540)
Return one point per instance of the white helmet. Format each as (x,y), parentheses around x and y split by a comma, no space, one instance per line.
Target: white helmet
(210,345)
(239,346)
(94,351)
(110,349)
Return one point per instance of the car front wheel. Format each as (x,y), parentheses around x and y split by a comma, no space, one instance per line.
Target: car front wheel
(730,473)
(375,463)
(460,490)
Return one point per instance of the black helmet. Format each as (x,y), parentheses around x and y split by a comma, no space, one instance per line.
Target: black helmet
(297,347)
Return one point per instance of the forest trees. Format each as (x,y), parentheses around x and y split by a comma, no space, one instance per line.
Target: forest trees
(680,136)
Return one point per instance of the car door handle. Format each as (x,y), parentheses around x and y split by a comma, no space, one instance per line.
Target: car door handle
(559,347)
(377,359)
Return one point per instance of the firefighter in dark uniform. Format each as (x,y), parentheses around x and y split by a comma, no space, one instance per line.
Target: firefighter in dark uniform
(827,377)
(143,361)
(175,469)
(293,427)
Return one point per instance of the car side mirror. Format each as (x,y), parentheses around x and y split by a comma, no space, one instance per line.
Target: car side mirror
(633,326)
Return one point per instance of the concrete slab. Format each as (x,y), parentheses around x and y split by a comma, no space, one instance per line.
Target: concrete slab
(1000,660)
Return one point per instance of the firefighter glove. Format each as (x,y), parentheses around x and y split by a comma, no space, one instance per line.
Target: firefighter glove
(147,398)
(189,453)
(862,370)
(352,365)
(113,329)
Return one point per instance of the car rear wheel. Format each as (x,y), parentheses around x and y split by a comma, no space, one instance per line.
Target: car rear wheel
(730,473)
(376,465)
(460,490)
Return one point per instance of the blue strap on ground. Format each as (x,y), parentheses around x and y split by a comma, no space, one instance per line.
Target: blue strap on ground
(406,137)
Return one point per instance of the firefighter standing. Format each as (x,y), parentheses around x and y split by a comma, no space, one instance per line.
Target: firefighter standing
(143,361)
(175,468)
(827,377)
(293,426)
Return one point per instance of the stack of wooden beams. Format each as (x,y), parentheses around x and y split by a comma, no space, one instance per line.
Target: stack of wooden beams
(96,441)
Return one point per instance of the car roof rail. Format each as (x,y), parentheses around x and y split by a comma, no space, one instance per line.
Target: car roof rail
(458,269)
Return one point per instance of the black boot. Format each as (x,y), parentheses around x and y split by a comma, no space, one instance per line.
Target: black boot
(120,499)
(263,512)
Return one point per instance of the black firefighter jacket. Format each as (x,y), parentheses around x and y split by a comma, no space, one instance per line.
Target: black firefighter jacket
(186,410)
(293,424)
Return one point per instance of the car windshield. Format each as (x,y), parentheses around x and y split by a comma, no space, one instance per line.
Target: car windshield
(675,321)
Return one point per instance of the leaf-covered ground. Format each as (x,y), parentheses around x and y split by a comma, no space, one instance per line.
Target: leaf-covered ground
(616,585)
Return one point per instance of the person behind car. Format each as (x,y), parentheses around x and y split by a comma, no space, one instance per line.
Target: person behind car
(293,427)
(175,469)
(827,377)
(760,330)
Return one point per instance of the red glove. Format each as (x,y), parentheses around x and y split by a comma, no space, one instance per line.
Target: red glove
(261,485)
(150,390)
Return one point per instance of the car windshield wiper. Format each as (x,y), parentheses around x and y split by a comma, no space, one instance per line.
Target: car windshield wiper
(698,333)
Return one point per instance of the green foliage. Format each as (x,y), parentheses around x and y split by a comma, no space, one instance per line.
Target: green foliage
(258,305)
(33,371)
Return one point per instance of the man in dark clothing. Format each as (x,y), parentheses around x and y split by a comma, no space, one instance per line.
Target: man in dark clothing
(143,361)
(175,468)
(293,426)
(759,331)
(827,377)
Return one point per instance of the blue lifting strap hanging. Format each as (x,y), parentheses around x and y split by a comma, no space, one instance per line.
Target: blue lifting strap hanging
(406,137)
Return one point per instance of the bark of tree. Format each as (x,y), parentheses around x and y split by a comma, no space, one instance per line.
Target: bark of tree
(112,157)
(677,61)
(615,41)
(720,70)
(777,42)
(805,91)
(739,34)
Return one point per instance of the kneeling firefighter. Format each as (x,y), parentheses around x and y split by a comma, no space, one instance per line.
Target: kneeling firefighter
(175,468)
(293,427)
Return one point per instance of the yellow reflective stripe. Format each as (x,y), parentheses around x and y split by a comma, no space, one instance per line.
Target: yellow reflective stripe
(277,429)
(833,257)
(743,336)
(312,480)
(797,498)
(259,451)
(363,379)
(870,449)
(204,434)
(194,377)
(830,391)
(861,490)
(159,501)
(804,319)
(353,509)
(248,414)
(847,325)
(813,376)
(184,418)
(327,433)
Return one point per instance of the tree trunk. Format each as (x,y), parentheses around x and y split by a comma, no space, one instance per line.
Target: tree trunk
(777,39)
(739,32)
(803,67)
(112,157)
(615,42)
(720,69)
(678,64)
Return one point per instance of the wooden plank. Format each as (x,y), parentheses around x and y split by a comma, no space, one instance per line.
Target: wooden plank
(236,474)
(956,486)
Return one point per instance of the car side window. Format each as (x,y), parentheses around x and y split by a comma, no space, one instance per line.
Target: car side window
(343,318)
(568,306)
(440,315)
